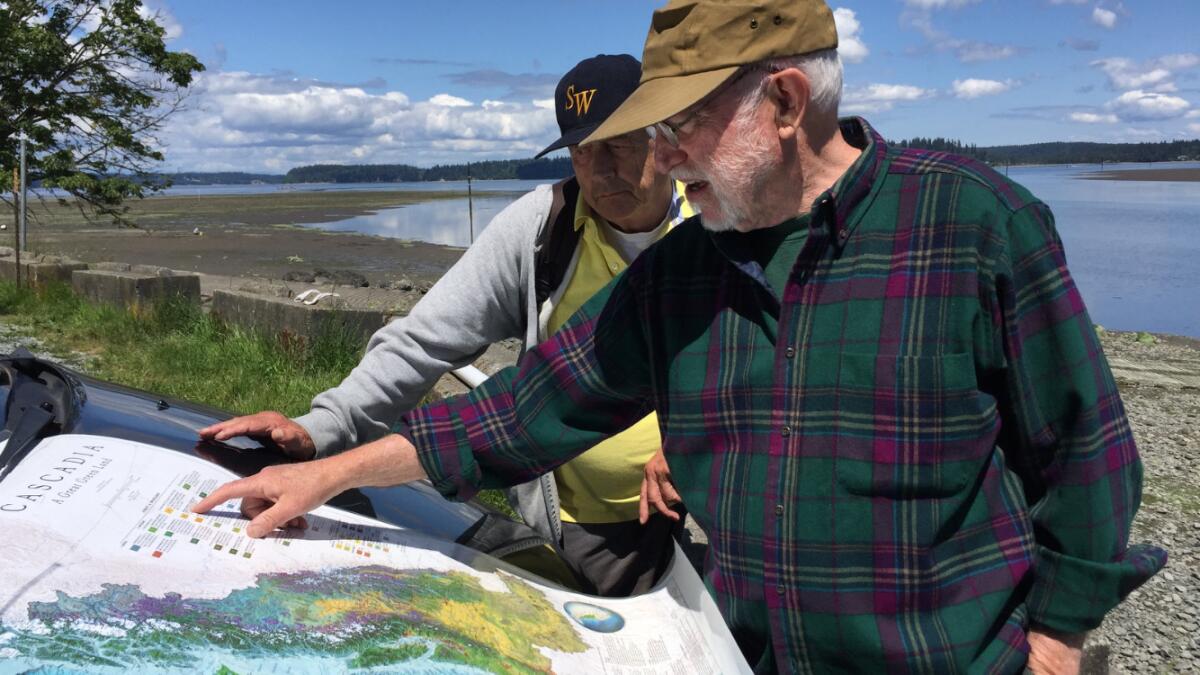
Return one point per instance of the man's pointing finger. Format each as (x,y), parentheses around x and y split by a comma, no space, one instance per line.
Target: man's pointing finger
(244,487)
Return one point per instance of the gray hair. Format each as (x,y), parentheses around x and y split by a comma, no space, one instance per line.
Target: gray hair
(823,68)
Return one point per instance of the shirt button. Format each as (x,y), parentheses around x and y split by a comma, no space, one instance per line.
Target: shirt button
(785,431)
(613,266)
(779,509)
(780,589)
(843,235)
(789,352)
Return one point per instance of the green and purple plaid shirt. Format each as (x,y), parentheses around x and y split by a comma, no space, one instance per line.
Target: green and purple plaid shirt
(902,459)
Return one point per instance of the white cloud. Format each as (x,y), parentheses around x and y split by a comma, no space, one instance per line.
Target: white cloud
(250,122)
(311,110)
(970,52)
(1093,118)
(158,11)
(967,51)
(974,88)
(1194,127)
(1179,61)
(450,101)
(1155,74)
(938,4)
(1134,132)
(1138,105)
(1193,114)
(880,97)
(544,103)
(1104,17)
(850,45)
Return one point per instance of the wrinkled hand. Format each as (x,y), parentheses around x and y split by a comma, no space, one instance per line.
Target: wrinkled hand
(277,496)
(289,436)
(1054,653)
(657,489)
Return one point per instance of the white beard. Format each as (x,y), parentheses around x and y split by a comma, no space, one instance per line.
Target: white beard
(736,176)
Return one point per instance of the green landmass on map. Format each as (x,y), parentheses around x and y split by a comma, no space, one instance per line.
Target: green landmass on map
(370,616)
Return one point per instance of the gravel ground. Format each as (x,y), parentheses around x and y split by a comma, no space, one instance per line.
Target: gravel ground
(14,337)
(1157,629)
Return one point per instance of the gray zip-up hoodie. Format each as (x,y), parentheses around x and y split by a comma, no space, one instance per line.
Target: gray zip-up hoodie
(488,295)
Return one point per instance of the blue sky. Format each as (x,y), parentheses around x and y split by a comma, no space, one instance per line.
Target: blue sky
(302,82)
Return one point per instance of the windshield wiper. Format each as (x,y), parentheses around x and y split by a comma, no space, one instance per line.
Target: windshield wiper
(42,401)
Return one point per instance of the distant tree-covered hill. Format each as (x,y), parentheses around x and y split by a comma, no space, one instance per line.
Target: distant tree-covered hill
(1064,152)
(525,169)
(220,178)
(560,167)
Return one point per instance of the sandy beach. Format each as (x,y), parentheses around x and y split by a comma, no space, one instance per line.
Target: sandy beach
(256,235)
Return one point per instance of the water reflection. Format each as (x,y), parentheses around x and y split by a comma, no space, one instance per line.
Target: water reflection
(441,221)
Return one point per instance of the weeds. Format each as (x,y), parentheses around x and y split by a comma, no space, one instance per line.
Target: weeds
(173,348)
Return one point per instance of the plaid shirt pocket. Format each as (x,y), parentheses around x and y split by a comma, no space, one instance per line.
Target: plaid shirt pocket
(910,426)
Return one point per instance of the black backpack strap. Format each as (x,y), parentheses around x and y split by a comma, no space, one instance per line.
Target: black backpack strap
(555,244)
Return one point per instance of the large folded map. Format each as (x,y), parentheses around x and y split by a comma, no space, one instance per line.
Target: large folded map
(105,568)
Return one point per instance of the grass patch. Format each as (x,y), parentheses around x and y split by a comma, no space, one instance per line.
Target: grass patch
(175,349)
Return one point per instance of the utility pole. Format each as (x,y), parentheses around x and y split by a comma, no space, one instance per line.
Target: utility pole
(16,189)
(24,206)
(470,204)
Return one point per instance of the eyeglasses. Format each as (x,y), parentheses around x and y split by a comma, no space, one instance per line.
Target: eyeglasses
(669,131)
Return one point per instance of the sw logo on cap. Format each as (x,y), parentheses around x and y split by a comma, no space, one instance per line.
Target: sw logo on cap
(580,101)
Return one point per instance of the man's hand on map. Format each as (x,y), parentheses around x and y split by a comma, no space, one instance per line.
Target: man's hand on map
(289,436)
(657,489)
(279,496)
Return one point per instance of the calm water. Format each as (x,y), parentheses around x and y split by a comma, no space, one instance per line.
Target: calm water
(1133,247)
(442,221)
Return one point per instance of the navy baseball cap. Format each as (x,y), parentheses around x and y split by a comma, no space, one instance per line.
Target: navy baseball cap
(589,93)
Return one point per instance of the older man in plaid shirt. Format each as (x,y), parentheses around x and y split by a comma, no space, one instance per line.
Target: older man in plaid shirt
(879,390)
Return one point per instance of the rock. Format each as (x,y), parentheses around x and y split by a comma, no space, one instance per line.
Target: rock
(401,284)
(343,277)
(296,275)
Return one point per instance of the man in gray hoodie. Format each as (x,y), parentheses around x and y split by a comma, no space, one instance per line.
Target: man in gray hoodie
(588,229)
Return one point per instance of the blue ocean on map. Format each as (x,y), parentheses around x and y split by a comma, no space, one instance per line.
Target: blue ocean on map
(594,617)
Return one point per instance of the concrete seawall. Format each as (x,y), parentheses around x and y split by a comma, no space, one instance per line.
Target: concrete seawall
(268,309)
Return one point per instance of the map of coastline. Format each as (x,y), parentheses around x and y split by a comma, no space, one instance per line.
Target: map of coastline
(107,570)
(359,617)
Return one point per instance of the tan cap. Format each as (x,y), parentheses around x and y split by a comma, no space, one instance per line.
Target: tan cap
(695,45)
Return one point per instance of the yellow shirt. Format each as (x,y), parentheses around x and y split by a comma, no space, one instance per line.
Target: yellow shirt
(603,484)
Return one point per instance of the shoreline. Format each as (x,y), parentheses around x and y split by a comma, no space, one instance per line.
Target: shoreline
(251,236)
(1148,175)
